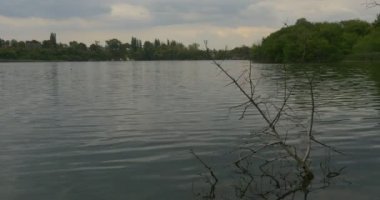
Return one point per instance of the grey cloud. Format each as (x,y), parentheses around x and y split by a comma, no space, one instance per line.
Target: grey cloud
(222,13)
(171,12)
(164,12)
(228,13)
(53,9)
(206,7)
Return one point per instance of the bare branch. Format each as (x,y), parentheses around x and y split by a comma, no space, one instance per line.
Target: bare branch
(288,193)
(327,146)
(265,116)
(240,105)
(254,151)
(212,174)
(310,132)
(252,87)
(282,182)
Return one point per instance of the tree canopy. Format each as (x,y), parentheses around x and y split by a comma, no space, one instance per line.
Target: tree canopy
(319,42)
(114,49)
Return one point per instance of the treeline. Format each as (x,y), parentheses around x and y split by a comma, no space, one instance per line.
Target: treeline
(114,49)
(302,42)
(321,42)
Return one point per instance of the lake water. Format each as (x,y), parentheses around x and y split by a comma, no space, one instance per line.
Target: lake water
(124,130)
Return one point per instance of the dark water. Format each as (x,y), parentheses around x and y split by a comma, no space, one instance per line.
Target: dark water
(123,130)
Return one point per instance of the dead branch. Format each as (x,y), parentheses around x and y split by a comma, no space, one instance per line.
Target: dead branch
(263,114)
(327,146)
(310,132)
(281,185)
(215,180)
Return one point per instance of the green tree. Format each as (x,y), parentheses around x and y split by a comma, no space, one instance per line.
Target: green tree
(311,42)
(369,43)
(376,23)
(116,48)
(148,51)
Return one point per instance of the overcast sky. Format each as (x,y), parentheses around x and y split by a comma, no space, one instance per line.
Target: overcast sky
(222,22)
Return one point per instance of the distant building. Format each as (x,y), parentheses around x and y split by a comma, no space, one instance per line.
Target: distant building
(53,39)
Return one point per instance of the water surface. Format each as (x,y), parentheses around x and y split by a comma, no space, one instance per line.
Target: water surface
(123,130)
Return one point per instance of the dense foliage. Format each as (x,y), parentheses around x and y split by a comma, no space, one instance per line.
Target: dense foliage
(114,49)
(320,42)
(302,42)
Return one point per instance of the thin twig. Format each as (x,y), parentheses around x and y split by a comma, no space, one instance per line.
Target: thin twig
(213,184)
(327,146)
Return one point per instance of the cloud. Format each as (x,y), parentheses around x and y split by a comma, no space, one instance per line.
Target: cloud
(314,10)
(130,12)
(185,11)
(34,22)
(53,9)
